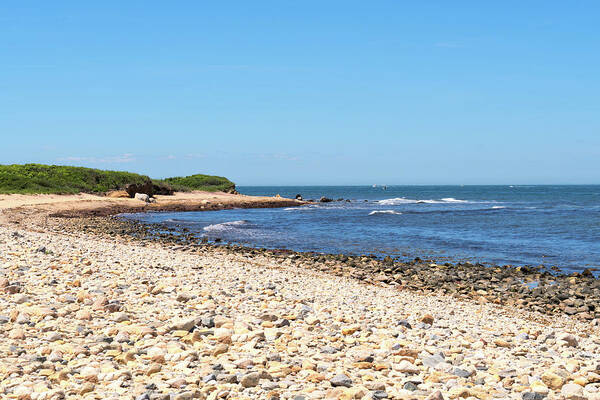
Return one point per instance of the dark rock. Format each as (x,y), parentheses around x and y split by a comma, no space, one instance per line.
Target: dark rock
(281,323)
(404,323)
(587,273)
(146,188)
(164,189)
(325,200)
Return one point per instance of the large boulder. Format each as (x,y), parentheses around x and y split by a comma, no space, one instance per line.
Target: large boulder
(146,188)
(162,188)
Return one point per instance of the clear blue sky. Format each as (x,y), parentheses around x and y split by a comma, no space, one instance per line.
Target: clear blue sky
(306,92)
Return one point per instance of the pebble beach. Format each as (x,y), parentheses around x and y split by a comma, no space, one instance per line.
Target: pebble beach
(88,317)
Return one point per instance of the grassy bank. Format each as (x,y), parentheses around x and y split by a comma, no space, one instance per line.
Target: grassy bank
(38,179)
(200,182)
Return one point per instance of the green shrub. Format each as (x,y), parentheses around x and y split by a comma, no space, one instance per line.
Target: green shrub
(38,178)
(207,183)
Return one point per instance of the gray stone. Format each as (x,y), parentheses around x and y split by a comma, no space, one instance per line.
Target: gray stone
(463,373)
(532,396)
(341,380)
(380,394)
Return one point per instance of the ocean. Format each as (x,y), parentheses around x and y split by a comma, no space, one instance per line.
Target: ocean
(504,225)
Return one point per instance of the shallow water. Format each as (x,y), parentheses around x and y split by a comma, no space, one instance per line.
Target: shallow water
(517,225)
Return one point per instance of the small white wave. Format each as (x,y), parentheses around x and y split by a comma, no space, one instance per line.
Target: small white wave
(453,200)
(385,212)
(497,207)
(396,201)
(301,208)
(404,200)
(224,225)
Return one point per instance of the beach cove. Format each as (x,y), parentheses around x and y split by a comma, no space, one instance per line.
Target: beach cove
(87,312)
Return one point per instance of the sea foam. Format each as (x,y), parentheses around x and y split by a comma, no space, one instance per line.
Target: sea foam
(403,200)
(224,226)
(453,200)
(385,212)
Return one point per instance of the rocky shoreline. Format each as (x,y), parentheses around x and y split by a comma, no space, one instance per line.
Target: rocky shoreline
(532,289)
(103,308)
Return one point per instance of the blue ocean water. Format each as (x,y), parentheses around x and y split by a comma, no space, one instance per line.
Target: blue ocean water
(516,225)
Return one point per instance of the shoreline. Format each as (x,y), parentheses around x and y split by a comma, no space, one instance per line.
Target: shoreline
(539,289)
(527,288)
(97,309)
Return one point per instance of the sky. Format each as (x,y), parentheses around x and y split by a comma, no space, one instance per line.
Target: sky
(306,92)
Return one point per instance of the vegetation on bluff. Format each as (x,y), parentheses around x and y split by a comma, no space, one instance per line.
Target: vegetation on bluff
(207,183)
(58,179)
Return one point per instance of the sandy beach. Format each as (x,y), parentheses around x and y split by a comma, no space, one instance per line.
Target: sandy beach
(19,206)
(88,316)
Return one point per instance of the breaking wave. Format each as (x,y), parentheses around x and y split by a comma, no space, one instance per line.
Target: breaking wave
(385,212)
(403,200)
